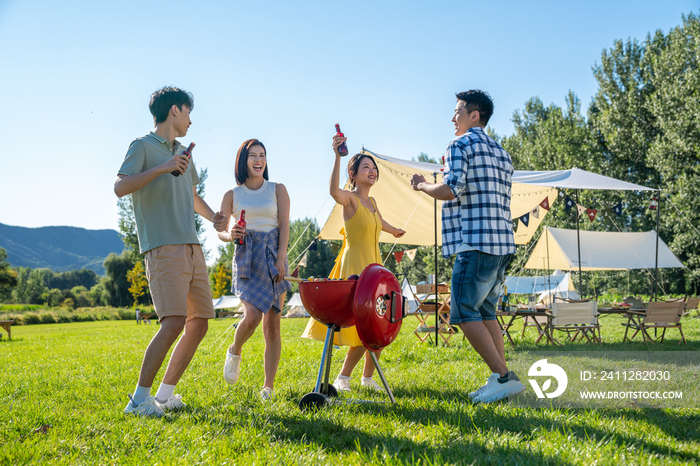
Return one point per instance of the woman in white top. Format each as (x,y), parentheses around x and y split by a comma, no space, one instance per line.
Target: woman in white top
(260,263)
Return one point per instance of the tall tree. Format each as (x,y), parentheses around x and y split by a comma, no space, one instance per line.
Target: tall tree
(673,64)
(8,277)
(116,286)
(138,283)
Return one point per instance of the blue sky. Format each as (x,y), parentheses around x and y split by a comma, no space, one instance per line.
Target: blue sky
(77,76)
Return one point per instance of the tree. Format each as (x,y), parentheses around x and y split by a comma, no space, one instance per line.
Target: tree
(127,228)
(116,287)
(8,277)
(30,286)
(221,281)
(198,221)
(137,278)
(673,66)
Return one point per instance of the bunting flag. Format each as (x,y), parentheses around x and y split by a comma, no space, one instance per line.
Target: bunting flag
(515,225)
(525,219)
(606,213)
(302,262)
(569,203)
(313,246)
(581,209)
(545,204)
(591,214)
(561,194)
(535,212)
(398,255)
(412,253)
(617,208)
(335,248)
(295,274)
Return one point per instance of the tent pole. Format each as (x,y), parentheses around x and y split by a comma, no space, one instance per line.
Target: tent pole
(656,265)
(549,283)
(435,251)
(578,240)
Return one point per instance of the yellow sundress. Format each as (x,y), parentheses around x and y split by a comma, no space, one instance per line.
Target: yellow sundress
(360,248)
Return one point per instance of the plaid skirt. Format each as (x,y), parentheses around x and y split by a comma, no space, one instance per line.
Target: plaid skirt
(254,272)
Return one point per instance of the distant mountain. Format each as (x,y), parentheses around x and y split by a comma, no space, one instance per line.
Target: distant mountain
(59,248)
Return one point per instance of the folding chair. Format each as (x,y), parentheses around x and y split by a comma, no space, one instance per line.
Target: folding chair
(425,297)
(658,315)
(579,318)
(637,304)
(691,305)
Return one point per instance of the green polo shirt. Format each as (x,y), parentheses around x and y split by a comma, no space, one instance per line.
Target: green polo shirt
(164,208)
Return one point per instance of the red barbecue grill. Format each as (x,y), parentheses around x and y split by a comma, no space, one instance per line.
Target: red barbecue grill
(373,303)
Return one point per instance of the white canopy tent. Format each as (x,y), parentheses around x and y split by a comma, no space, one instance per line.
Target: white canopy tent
(557,248)
(535,285)
(296,307)
(226,302)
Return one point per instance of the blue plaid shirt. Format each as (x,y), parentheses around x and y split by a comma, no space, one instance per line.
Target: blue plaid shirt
(478,171)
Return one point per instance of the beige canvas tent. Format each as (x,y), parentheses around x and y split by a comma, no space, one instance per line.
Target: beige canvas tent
(414,212)
(557,248)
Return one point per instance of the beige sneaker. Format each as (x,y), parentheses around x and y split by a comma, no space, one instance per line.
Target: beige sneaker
(267,394)
(232,368)
(342,385)
(368,382)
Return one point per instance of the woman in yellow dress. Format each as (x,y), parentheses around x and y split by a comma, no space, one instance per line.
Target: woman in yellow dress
(363,224)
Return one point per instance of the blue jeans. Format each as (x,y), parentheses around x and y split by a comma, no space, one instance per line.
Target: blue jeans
(476,282)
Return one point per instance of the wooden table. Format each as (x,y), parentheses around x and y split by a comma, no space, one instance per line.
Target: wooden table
(606,311)
(506,319)
(7,325)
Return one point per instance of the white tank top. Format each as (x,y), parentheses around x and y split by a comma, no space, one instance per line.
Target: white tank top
(260,206)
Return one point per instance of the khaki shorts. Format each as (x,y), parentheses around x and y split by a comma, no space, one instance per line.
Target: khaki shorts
(177,277)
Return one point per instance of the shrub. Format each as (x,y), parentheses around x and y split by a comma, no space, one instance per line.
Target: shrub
(48,318)
(31,318)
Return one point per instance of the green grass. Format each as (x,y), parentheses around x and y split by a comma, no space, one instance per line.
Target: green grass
(75,377)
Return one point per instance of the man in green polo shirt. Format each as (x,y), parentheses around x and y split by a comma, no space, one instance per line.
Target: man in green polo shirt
(164,208)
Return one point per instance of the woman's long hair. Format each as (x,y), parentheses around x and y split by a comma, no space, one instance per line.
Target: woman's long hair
(241,169)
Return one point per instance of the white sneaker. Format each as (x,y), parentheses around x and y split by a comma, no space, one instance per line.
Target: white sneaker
(481,389)
(173,403)
(368,382)
(148,407)
(232,367)
(501,388)
(267,394)
(342,385)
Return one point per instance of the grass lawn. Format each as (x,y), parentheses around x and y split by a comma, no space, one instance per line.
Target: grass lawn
(75,377)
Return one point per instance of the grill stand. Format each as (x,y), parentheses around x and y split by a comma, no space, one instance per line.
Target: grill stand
(324,390)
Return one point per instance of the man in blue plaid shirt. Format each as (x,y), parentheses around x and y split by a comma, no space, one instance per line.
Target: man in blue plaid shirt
(477,227)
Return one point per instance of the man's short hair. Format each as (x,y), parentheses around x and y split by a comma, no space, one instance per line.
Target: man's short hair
(163,99)
(480,101)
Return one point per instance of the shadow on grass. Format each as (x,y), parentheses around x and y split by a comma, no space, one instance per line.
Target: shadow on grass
(338,436)
(14,340)
(680,427)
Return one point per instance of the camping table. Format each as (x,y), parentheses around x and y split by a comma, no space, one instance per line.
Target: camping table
(7,325)
(606,311)
(505,326)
